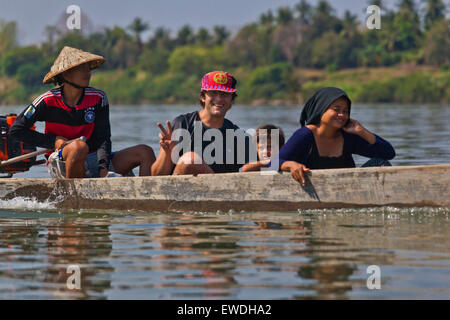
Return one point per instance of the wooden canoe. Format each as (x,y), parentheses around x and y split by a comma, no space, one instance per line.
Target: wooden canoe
(409,186)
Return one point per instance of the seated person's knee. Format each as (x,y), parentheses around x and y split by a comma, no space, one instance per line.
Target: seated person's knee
(191,163)
(77,148)
(145,151)
(190,158)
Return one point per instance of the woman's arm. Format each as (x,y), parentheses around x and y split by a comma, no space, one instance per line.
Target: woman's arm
(297,170)
(354,127)
(368,144)
(297,147)
(295,152)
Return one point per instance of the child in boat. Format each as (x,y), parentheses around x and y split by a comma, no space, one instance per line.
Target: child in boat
(328,137)
(263,137)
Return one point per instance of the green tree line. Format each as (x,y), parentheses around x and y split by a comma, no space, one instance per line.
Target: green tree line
(284,56)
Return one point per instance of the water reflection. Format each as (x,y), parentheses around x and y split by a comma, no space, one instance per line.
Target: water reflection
(243,257)
(202,261)
(74,242)
(36,254)
(316,254)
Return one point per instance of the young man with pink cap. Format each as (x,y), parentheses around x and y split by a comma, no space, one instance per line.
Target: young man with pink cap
(208,133)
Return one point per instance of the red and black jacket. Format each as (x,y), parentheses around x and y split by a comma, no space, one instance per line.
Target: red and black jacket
(89,118)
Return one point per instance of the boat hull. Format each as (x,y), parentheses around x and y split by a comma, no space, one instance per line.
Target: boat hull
(413,186)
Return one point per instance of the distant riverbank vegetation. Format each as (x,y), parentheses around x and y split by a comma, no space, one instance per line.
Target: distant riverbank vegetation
(282,58)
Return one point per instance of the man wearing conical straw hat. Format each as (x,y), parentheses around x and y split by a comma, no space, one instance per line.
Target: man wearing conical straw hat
(75,110)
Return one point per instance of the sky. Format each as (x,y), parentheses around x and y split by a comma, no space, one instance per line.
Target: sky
(33,16)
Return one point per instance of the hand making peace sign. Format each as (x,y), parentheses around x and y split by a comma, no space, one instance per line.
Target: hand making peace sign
(165,137)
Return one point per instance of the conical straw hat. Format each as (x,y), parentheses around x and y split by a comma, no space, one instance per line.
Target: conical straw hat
(70,58)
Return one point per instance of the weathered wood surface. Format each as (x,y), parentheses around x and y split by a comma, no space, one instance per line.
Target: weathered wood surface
(413,186)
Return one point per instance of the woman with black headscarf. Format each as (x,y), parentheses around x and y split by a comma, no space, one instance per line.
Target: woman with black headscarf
(328,137)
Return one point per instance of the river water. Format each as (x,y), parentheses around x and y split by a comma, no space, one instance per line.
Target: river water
(322,254)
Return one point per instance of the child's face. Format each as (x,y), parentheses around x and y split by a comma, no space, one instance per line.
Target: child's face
(264,147)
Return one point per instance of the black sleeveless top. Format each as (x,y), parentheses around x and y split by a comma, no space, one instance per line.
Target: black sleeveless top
(315,161)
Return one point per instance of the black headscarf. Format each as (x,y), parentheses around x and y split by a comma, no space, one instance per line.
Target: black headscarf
(316,106)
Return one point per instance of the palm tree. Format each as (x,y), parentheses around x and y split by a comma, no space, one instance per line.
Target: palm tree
(324,8)
(349,24)
(203,37)
(350,20)
(284,15)
(221,34)
(8,35)
(406,30)
(407,9)
(51,32)
(324,19)
(185,36)
(266,19)
(435,11)
(161,38)
(137,27)
(304,10)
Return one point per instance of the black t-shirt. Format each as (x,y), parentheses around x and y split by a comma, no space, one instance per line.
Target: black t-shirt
(234,146)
